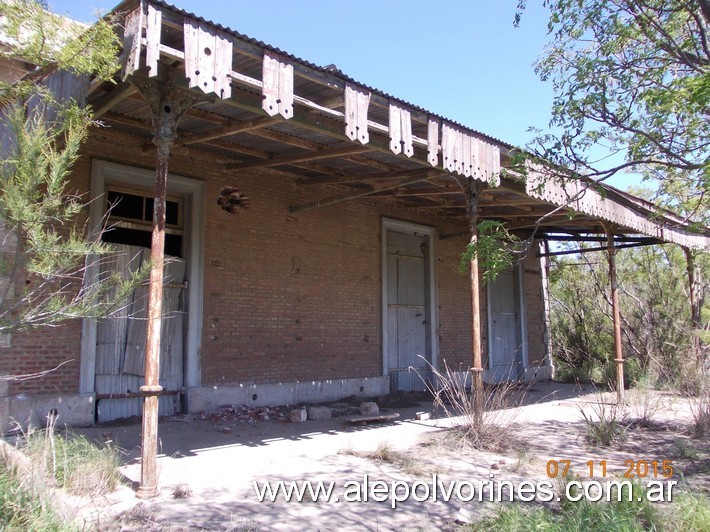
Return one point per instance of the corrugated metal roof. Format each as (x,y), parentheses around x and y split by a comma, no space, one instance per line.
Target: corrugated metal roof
(308,64)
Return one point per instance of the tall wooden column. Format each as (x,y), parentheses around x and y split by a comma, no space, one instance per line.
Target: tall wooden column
(472,190)
(616,314)
(696,304)
(167,105)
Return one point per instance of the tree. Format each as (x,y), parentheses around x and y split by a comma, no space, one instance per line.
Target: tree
(634,77)
(46,250)
(631,82)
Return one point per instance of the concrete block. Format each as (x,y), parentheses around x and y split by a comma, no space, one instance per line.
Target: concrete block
(286,393)
(299,415)
(423,416)
(369,409)
(31,410)
(320,412)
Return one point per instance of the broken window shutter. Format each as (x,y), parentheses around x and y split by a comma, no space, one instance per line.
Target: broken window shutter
(208,58)
(357,102)
(277,85)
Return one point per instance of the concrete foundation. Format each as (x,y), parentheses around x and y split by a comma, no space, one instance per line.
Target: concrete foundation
(72,409)
(286,393)
(539,373)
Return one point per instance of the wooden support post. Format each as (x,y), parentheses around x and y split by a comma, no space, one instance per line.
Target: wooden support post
(472,190)
(696,304)
(616,315)
(167,105)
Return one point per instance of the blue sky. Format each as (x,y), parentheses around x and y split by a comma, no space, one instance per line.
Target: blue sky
(462,59)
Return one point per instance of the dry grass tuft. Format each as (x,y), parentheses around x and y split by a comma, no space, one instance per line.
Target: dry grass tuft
(451,393)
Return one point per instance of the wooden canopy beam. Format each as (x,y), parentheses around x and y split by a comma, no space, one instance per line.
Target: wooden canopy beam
(420,175)
(616,313)
(472,189)
(299,157)
(600,248)
(120,92)
(226,131)
(167,105)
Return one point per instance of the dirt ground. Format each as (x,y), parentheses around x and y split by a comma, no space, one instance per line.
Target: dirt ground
(208,463)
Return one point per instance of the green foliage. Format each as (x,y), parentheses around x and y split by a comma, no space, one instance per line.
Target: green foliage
(495,247)
(74,463)
(690,511)
(632,75)
(46,250)
(656,320)
(602,425)
(21,509)
(45,39)
(621,515)
(580,318)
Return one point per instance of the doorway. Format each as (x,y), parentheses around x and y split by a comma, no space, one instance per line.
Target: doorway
(408,305)
(507,353)
(113,349)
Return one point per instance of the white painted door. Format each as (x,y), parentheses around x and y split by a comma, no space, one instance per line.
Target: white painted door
(407,314)
(505,359)
(120,340)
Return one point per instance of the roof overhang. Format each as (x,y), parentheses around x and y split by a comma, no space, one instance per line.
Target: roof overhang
(264,108)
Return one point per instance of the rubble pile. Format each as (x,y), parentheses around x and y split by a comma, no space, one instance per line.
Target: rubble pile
(244,414)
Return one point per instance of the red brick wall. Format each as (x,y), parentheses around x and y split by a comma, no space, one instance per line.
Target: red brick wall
(287,297)
(535,309)
(41,350)
(45,348)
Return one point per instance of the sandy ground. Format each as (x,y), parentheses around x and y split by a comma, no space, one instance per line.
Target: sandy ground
(208,468)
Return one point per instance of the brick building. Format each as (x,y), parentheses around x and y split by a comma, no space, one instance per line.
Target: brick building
(341,275)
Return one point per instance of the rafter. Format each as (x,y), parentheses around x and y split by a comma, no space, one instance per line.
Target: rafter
(422,175)
(226,131)
(300,157)
(118,93)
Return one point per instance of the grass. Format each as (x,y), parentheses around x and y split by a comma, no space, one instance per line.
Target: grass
(452,395)
(181,491)
(22,508)
(402,460)
(602,425)
(73,462)
(685,450)
(52,460)
(687,512)
(643,403)
(700,409)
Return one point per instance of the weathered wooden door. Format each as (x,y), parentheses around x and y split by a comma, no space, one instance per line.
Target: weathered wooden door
(505,360)
(120,340)
(407,311)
